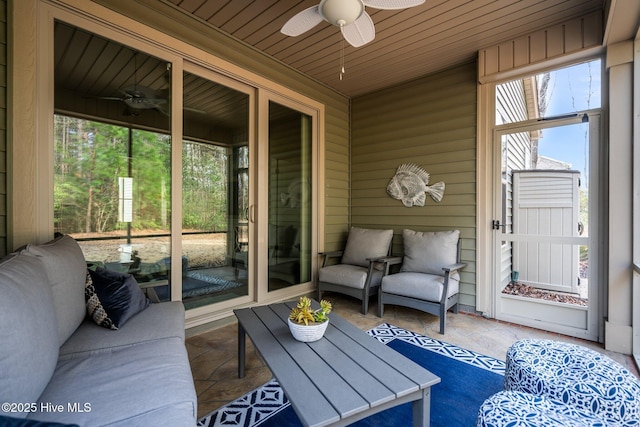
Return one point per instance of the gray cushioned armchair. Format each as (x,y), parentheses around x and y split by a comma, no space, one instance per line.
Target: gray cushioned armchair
(358,274)
(428,279)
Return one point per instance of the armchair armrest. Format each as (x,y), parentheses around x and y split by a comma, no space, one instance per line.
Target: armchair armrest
(386,261)
(389,259)
(454,267)
(331,254)
(150,289)
(328,255)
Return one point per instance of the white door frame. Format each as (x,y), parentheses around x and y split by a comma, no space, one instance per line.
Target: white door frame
(542,315)
(636,206)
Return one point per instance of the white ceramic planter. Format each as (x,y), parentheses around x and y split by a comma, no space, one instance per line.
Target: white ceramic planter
(307,333)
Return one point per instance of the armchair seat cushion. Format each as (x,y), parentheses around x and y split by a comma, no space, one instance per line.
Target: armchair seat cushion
(427,287)
(351,276)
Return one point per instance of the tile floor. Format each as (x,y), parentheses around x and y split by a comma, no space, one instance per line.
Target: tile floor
(213,354)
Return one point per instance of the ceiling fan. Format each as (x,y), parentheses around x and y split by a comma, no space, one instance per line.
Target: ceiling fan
(355,23)
(139,98)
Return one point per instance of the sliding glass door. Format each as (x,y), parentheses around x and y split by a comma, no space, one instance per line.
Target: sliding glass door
(215,190)
(197,183)
(112,154)
(290,196)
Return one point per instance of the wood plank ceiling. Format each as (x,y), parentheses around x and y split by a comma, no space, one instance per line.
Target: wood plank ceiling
(409,43)
(98,77)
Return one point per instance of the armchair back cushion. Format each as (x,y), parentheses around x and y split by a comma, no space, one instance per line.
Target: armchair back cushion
(364,243)
(428,251)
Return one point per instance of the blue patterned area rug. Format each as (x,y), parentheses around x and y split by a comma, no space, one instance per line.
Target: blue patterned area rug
(468,378)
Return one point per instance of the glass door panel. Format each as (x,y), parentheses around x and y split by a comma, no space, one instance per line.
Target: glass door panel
(215,192)
(112,154)
(290,202)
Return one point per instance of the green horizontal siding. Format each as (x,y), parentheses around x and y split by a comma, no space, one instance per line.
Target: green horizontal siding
(431,122)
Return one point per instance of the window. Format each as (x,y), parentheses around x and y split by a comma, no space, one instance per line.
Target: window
(550,94)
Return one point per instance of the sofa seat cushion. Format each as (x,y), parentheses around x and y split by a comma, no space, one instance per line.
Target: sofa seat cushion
(422,286)
(67,270)
(508,408)
(142,327)
(352,276)
(29,332)
(143,384)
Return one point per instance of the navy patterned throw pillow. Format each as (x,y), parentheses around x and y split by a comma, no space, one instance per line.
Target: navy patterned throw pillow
(113,298)
(94,308)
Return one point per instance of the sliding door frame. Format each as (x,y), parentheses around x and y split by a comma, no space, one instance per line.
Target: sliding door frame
(33,219)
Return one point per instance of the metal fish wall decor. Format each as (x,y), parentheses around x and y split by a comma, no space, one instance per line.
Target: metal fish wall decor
(409,184)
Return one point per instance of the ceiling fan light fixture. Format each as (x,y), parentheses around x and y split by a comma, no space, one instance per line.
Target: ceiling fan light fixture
(341,12)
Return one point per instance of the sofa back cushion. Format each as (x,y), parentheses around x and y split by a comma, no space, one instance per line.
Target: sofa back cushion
(67,272)
(364,243)
(29,334)
(429,251)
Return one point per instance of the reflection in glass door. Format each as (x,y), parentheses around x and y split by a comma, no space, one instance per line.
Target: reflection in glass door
(290,202)
(215,192)
(112,154)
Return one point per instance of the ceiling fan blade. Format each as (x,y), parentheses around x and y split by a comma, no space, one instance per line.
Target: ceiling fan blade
(302,22)
(359,32)
(110,98)
(392,4)
(156,100)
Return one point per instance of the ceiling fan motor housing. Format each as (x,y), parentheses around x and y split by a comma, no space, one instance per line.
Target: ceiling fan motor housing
(341,12)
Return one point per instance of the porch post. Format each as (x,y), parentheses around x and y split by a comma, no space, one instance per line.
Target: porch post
(618,330)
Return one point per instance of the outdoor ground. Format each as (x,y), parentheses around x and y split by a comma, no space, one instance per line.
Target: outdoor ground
(520,289)
(201,250)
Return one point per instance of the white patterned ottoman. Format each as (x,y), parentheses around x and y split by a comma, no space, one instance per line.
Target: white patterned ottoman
(512,408)
(579,377)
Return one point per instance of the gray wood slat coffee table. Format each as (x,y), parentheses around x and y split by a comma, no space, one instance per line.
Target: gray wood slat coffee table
(344,377)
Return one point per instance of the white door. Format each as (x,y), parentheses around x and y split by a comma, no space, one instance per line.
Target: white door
(547,202)
(546,185)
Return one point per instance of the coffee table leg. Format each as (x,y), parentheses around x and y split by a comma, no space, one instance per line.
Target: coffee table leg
(422,409)
(242,349)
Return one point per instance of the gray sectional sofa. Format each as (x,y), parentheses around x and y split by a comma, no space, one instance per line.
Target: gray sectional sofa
(58,365)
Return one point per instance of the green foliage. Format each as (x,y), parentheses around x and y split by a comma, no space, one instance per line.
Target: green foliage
(204,186)
(303,313)
(90,157)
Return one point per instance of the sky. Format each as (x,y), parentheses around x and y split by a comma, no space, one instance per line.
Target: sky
(572,89)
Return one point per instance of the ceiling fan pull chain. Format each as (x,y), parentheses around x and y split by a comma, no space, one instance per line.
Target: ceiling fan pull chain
(341,58)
